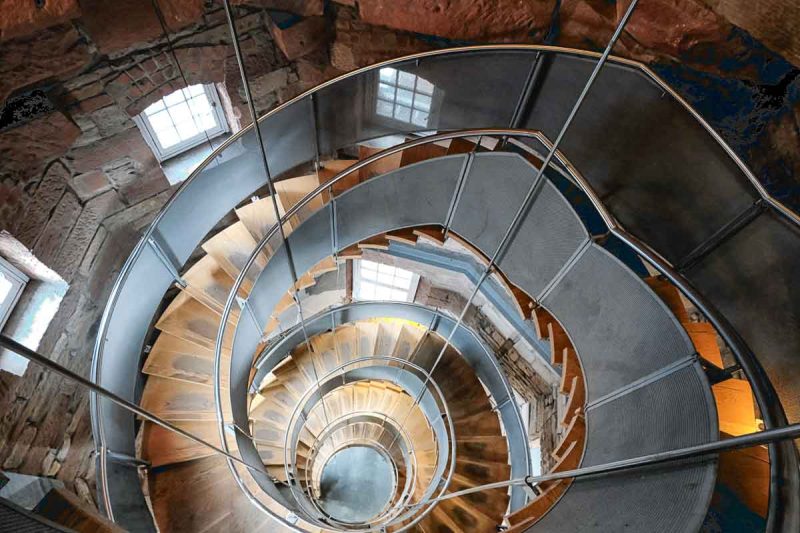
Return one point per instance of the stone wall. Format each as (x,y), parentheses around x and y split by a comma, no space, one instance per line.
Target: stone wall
(78,183)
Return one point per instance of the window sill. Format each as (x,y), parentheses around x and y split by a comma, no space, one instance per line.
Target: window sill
(181,166)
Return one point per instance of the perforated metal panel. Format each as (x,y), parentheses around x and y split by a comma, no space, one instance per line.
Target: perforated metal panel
(548,237)
(673,412)
(414,195)
(621,330)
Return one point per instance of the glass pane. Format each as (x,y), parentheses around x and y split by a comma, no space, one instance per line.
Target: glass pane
(386,91)
(399,295)
(385,269)
(402,113)
(368,274)
(174,98)
(160,121)
(388,74)
(404,97)
(194,90)
(383,293)
(199,105)
(187,130)
(385,108)
(424,86)
(154,108)
(180,113)
(420,118)
(5,287)
(207,122)
(168,137)
(422,102)
(406,79)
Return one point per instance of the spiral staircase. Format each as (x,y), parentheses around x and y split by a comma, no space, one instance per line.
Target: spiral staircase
(210,326)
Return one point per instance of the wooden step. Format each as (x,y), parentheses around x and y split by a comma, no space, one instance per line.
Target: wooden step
(558,341)
(208,283)
(423,152)
(493,448)
(528,515)
(570,368)
(230,248)
(467,517)
(404,236)
(481,472)
(68,510)
(259,217)
(161,447)
(576,401)
(431,234)
(380,166)
(575,432)
(379,242)
(188,319)
(179,400)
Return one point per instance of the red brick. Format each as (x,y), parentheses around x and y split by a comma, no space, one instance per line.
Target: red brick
(23,17)
(96,102)
(127,144)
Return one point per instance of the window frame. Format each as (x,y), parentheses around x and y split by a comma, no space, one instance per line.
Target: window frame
(395,123)
(161,153)
(19,281)
(357,279)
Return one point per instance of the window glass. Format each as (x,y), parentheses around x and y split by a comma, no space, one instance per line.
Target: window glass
(404,97)
(378,281)
(183,119)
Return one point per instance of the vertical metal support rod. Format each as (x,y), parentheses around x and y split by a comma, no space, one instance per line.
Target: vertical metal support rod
(272,191)
(166,261)
(523,208)
(12,345)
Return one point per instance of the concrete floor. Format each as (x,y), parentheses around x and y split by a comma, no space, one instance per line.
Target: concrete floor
(356,484)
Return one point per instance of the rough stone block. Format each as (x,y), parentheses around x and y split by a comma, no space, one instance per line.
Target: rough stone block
(37,212)
(23,17)
(73,250)
(48,53)
(105,151)
(118,25)
(301,38)
(58,227)
(460,19)
(151,182)
(90,184)
(25,149)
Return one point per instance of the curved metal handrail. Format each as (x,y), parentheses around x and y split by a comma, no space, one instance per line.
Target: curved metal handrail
(741,352)
(753,370)
(410,479)
(337,372)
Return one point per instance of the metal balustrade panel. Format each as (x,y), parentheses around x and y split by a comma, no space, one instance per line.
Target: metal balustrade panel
(478,89)
(547,238)
(413,195)
(673,412)
(752,278)
(136,305)
(236,174)
(493,190)
(657,169)
(621,330)
(125,491)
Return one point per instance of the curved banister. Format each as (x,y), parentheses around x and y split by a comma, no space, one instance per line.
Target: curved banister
(766,398)
(739,349)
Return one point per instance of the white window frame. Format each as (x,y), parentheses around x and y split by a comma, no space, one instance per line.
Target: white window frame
(162,154)
(18,281)
(412,288)
(395,123)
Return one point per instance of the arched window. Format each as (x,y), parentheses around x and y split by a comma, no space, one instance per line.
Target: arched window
(182,120)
